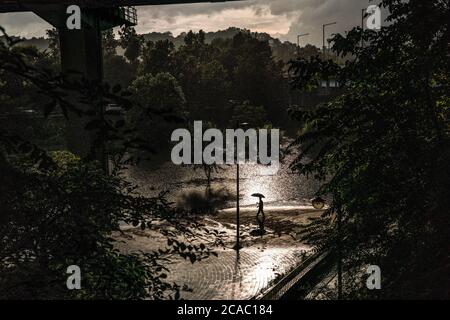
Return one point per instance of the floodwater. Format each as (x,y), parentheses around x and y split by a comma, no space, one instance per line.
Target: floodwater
(280,188)
(262,261)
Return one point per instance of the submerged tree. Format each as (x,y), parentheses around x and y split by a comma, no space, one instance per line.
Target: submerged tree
(383,148)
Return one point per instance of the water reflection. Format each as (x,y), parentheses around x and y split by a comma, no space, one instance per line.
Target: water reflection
(236,287)
(280,188)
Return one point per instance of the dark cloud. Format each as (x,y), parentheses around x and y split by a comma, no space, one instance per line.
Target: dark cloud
(283,18)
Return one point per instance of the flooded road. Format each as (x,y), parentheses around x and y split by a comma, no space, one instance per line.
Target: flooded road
(279,188)
(262,261)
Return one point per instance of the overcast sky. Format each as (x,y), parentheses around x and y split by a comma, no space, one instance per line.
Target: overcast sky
(280,18)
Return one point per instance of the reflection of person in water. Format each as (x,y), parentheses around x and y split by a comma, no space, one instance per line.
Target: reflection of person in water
(260,216)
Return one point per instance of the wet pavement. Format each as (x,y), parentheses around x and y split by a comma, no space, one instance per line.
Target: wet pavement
(260,264)
(263,260)
(233,276)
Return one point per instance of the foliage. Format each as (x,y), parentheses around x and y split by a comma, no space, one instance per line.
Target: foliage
(160,93)
(254,116)
(66,216)
(212,75)
(157,57)
(198,202)
(382,149)
(59,210)
(53,45)
(212,72)
(132,43)
(109,43)
(118,71)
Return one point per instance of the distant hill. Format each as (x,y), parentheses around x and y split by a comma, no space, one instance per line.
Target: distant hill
(281,50)
(284,51)
(40,43)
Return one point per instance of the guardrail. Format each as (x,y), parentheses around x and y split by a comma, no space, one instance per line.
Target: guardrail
(130,15)
(301,273)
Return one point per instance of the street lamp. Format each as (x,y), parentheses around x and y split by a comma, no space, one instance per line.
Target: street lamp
(318,203)
(363,15)
(237,246)
(298,41)
(323,30)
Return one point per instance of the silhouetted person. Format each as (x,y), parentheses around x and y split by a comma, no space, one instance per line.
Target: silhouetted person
(260,216)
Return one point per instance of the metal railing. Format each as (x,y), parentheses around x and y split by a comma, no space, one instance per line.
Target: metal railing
(300,273)
(130,14)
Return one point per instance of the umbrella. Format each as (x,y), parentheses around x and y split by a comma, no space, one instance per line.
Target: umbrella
(259,195)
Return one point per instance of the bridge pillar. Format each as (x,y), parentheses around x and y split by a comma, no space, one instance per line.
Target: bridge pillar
(81,58)
(81,53)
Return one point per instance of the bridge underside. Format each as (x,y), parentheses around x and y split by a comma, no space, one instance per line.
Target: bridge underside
(20,6)
(81,49)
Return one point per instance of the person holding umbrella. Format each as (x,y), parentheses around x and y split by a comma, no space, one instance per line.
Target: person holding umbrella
(260,216)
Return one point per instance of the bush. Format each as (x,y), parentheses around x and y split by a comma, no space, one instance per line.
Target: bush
(199,202)
(59,210)
(65,216)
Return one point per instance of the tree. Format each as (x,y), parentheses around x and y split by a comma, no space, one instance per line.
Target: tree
(157,98)
(382,149)
(210,98)
(240,69)
(58,210)
(189,67)
(54,46)
(117,70)
(254,116)
(131,42)
(157,57)
(109,43)
(256,76)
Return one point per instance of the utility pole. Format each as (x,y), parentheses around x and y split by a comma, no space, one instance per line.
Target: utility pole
(298,42)
(238,224)
(237,246)
(363,14)
(323,33)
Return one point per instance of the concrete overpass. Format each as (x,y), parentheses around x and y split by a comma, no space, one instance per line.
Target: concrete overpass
(80,46)
(81,50)
(25,5)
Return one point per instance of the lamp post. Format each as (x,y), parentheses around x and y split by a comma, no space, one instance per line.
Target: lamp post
(318,203)
(298,41)
(298,56)
(363,14)
(237,246)
(323,33)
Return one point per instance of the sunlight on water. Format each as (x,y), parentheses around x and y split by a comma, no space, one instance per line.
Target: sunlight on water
(257,185)
(282,187)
